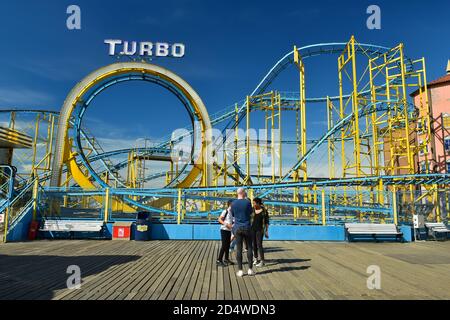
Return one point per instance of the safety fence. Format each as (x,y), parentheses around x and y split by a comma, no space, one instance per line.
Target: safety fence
(286,206)
(292,205)
(23,201)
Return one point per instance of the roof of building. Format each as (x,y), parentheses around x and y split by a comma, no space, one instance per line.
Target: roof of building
(443,79)
(10,138)
(437,82)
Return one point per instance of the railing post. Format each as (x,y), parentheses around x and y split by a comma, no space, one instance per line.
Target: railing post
(324,218)
(394,204)
(179,207)
(251,194)
(35,197)
(437,205)
(106,206)
(6,223)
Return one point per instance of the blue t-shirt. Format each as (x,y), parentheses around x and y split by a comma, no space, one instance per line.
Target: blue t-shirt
(242,212)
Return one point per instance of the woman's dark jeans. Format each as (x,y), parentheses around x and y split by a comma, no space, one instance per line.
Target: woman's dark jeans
(225,249)
(258,244)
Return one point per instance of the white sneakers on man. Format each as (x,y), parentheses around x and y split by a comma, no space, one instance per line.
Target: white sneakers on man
(250,272)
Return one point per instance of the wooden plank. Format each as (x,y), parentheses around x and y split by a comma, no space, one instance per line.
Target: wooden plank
(55,272)
(178,271)
(167,275)
(143,288)
(187,289)
(199,283)
(98,283)
(212,294)
(144,266)
(220,286)
(187,274)
(88,281)
(116,270)
(227,281)
(208,261)
(234,288)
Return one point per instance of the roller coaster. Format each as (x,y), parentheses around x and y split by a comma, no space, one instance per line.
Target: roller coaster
(372,143)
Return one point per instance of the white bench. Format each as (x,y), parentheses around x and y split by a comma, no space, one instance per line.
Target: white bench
(437,228)
(55,225)
(372,229)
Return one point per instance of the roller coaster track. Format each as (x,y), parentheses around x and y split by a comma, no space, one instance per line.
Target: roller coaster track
(365,110)
(91,142)
(229,114)
(368,109)
(281,65)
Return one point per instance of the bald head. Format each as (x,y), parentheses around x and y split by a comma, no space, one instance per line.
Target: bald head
(241,194)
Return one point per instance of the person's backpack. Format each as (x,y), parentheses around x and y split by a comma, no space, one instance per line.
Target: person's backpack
(226,214)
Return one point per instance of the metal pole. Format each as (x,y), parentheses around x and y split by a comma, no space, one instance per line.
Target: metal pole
(6,223)
(324,220)
(106,207)
(394,204)
(179,207)
(35,196)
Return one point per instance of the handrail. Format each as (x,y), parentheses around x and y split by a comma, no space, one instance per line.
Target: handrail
(12,174)
(10,219)
(23,191)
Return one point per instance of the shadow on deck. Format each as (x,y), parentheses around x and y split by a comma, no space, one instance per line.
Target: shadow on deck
(38,276)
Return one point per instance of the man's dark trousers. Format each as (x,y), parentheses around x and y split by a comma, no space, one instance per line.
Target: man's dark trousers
(241,235)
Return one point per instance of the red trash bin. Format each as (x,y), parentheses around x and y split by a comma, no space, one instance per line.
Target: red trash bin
(32,232)
(121,231)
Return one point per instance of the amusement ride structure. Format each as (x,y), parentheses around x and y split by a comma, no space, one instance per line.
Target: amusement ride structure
(372,143)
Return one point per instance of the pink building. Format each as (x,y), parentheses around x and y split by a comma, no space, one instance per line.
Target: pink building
(439,147)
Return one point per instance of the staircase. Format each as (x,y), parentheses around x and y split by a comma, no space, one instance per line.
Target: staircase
(15,210)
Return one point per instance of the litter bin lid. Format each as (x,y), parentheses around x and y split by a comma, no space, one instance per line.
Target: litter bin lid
(143,215)
(122,224)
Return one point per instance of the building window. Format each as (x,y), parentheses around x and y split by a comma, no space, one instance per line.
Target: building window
(447,144)
(446,120)
(421,127)
(423,148)
(423,167)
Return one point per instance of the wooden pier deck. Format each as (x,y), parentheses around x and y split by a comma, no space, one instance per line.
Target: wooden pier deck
(187,270)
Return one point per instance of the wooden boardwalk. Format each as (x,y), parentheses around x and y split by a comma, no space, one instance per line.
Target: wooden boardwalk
(187,270)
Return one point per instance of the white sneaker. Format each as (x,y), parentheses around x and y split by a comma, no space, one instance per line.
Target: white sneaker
(260,264)
(251,272)
(255,261)
(240,273)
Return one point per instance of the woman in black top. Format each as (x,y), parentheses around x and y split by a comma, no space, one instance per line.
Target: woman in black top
(260,227)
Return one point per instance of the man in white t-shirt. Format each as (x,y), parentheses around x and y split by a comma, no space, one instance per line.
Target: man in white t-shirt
(226,221)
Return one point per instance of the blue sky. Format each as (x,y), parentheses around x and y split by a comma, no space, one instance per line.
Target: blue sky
(230,45)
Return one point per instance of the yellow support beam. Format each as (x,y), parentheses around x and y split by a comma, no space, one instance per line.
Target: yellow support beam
(179,206)
(394,204)
(324,211)
(35,197)
(106,205)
